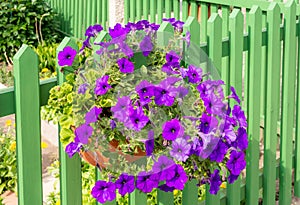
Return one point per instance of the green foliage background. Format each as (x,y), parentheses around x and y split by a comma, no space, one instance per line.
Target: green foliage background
(25,21)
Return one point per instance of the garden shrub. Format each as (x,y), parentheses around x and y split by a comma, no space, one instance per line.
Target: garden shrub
(25,21)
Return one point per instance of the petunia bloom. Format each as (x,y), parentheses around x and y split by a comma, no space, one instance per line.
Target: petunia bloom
(145,91)
(146,45)
(163,167)
(179,179)
(219,152)
(66,56)
(83,132)
(92,31)
(102,85)
(72,148)
(172,129)
(234,95)
(125,65)
(82,88)
(146,182)
(121,109)
(137,119)
(180,149)
(207,123)
(194,74)
(118,31)
(92,115)
(215,182)
(239,115)
(125,184)
(149,143)
(236,162)
(104,191)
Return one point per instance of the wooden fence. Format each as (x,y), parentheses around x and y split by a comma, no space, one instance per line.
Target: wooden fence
(253,62)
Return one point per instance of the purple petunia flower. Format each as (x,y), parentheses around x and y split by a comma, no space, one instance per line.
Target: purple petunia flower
(85,44)
(180,149)
(179,179)
(232,178)
(172,57)
(209,144)
(66,56)
(145,91)
(196,147)
(178,25)
(72,148)
(104,191)
(165,92)
(102,85)
(214,105)
(208,123)
(125,65)
(92,115)
(126,49)
(188,38)
(125,184)
(229,134)
(215,182)
(146,182)
(219,152)
(112,124)
(170,20)
(120,110)
(92,31)
(242,139)
(118,31)
(137,119)
(154,26)
(172,129)
(234,95)
(82,88)
(236,163)
(239,115)
(163,167)
(146,45)
(83,132)
(166,188)
(182,92)
(194,74)
(149,144)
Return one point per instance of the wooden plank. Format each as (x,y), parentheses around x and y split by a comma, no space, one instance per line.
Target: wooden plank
(190,193)
(132,6)
(104,13)
(252,153)
(28,128)
(137,197)
(127,11)
(272,106)
(194,9)
(70,168)
(160,10)
(146,9)
(212,199)
(165,31)
(297,143)
(288,104)
(203,23)
(153,11)
(139,10)
(176,8)
(165,198)
(225,18)
(168,10)
(185,9)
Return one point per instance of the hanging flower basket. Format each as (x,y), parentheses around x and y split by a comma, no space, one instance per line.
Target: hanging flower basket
(150,111)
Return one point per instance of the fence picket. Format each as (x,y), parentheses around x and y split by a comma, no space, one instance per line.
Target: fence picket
(288,104)
(185,9)
(139,10)
(176,8)
(297,138)
(168,9)
(164,33)
(253,74)
(153,11)
(271,106)
(28,129)
(190,193)
(203,23)
(165,198)
(160,10)
(137,197)
(132,10)
(70,168)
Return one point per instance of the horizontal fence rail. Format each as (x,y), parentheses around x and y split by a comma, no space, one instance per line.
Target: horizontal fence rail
(257,56)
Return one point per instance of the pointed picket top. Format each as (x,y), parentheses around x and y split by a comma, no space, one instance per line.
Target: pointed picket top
(193,26)
(256,11)
(236,17)
(290,5)
(274,7)
(214,18)
(103,36)
(65,42)
(164,33)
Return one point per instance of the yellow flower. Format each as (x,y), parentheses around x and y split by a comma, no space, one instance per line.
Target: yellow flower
(175,192)
(44,145)
(12,146)
(223,185)
(45,70)
(57,202)
(8,123)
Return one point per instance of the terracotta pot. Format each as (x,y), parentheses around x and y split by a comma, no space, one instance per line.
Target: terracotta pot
(96,158)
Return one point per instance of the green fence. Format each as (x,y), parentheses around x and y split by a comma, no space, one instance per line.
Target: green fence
(76,15)
(262,64)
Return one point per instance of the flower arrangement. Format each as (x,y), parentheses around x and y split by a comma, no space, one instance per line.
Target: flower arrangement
(148,117)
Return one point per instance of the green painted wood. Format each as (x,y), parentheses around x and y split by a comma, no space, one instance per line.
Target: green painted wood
(168,10)
(99,15)
(160,10)
(153,11)
(94,12)
(165,31)
(139,10)
(137,197)
(126,11)
(193,26)
(132,5)
(190,193)
(213,8)
(203,24)
(288,104)
(28,129)
(80,20)
(176,7)
(89,8)
(212,199)
(225,18)
(105,9)
(297,138)
(146,9)
(252,153)
(194,9)
(70,168)
(214,26)
(185,9)
(165,198)
(272,106)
